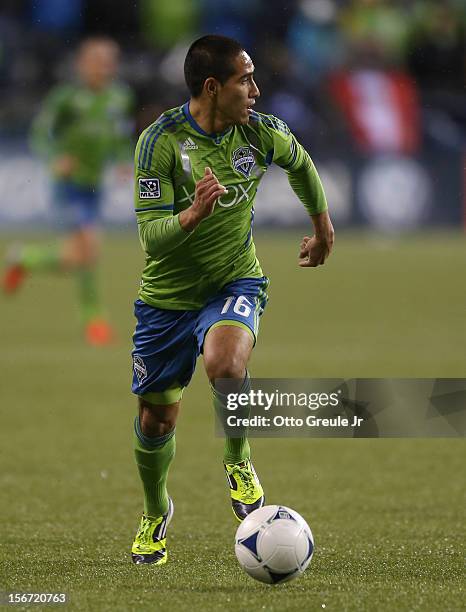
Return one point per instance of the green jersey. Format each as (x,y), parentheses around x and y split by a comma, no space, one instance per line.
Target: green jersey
(184,269)
(92,126)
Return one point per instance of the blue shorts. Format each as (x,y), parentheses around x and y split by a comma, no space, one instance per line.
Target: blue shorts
(167,343)
(76,206)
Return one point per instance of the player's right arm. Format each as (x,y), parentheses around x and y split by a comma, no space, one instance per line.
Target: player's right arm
(160,230)
(45,132)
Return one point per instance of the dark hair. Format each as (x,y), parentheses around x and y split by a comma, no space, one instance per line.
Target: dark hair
(210,56)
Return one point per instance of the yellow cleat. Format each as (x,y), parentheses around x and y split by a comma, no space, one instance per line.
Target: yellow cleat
(150,544)
(245,489)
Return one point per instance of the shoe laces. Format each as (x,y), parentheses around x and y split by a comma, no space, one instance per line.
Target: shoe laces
(144,535)
(246,477)
(144,529)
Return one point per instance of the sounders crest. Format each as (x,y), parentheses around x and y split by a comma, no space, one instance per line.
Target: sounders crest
(243,160)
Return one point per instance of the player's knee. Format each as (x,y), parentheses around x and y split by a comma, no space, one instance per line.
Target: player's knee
(77,256)
(226,352)
(157,420)
(88,247)
(89,259)
(89,255)
(226,366)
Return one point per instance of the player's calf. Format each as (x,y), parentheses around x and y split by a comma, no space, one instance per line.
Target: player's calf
(245,488)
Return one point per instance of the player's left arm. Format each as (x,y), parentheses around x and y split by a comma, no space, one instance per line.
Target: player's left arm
(123,133)
(305,182)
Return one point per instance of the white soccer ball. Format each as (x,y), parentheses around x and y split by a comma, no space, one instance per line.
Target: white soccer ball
(274,544)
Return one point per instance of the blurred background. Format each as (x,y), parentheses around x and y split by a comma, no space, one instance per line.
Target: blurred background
(374,89)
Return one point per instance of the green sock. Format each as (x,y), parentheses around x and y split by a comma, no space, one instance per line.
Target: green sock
(89,302)
(38,258)
(153,458)
(236,449)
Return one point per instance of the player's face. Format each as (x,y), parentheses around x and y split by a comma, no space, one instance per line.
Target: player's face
(237,96)
(97,63)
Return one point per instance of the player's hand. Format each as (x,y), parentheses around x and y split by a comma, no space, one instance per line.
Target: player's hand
(314,251)
(64,165)
(208,190)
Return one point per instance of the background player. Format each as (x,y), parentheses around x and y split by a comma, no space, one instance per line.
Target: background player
(202,291)
(80,128)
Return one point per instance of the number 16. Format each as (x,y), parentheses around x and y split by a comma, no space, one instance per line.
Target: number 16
(241,305)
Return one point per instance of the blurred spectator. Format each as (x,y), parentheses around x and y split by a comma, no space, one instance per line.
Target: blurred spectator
(164,24)
(315,40)
(240,19)
(436,50)
(436,57)
(378,24)
(296,45)
(82,126)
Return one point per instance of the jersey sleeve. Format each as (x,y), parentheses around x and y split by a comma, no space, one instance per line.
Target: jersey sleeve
(159,229)
(290,155)
(44,135)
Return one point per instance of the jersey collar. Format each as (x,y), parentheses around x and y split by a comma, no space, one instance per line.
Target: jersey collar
(216,137)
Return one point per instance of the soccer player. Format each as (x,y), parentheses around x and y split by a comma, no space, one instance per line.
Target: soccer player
(80,128)
(202,291)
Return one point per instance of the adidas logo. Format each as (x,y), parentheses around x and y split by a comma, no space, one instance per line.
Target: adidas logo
(190,144)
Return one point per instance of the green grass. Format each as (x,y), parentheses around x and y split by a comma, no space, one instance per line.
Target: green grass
(387,515)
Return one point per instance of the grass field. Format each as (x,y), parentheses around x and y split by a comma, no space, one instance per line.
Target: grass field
(387,515)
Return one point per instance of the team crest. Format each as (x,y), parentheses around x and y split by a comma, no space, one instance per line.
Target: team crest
(149,188)
(243,160)
(139,368)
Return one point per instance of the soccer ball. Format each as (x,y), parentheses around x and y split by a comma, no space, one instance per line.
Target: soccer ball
(274,544)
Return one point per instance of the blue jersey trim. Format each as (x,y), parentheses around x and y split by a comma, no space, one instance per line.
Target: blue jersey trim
(197,127)
(147,147)
(270,121)
(177,120)
(161,207)
(255,116)
(249,236)
(294,154)
(158,125)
